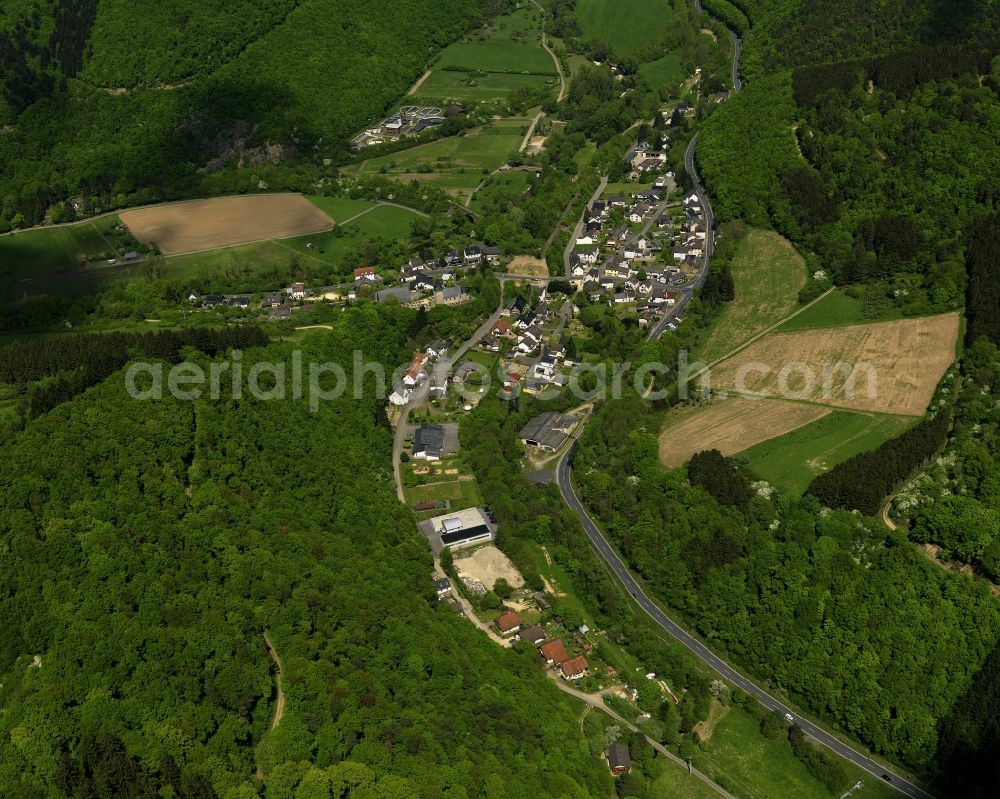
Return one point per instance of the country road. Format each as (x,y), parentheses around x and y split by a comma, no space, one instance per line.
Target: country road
(442,367)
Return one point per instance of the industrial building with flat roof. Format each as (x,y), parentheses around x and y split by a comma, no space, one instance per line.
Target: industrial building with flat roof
(463,528)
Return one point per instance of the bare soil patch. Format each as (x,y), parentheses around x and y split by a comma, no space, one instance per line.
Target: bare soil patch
(224,221)
(730,425)
(528,265)
(888,367)
(487,565)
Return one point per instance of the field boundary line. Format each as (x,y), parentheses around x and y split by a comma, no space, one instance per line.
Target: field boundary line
(759,335)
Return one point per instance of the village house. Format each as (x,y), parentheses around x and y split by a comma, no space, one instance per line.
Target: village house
(464,370)
(412,375)
(452,295)
(619,760)
(297,291)
(442,585)
(508,623)
(553,652)
(574,668)
(365,274)
(532,635)
(473,254)
(428,441)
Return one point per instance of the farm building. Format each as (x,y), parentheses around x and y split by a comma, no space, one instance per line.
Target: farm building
(547,431)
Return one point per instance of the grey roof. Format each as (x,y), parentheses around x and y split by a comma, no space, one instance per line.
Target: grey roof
(442,584)
(548,429)
(401,293)
(532,634)
(453,292)
(457,536)
(618,756)
(429,438)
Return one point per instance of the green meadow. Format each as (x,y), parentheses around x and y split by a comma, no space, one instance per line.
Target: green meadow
(791,461)
(629,30)
(473,86)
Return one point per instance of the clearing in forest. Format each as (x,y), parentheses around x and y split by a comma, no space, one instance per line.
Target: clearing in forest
(730,426)
(888,367)
(224,221)
(768,274)
(488,564)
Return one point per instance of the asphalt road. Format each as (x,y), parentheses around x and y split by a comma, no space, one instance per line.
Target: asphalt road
(704,654)
(614,562)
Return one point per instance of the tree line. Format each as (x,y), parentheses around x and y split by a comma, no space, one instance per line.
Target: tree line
(863,481)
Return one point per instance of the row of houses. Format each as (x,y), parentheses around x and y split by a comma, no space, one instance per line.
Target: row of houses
(417,371)
(553,652)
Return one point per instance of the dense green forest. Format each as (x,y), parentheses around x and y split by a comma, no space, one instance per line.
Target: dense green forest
(847,617)
(877,166)
(147,546)
(117,107)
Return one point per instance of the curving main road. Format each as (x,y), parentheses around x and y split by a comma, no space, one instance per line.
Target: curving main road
(564,478)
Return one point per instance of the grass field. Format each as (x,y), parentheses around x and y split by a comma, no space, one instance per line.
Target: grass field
(492,63)
(665,71)
(630,29)
(752,765)
(792,460)
(729,425)
(442,86)
(836,309)
(497,55)
(34,253)
(500,190)
(384,221)
(461,493)
(457,162)
(768,273)
(887,367)
(340,208)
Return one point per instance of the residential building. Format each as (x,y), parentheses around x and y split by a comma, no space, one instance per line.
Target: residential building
(553,652)
(533,635)
(428,441)
(619,760)
(508,622)
(574,668)
(443,586)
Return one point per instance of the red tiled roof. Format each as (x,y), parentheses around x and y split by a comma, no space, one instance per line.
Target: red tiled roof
(574,666)
(554,651)
(508,621)
(364,270)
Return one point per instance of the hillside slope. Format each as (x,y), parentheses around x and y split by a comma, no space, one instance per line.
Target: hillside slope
(99,101)
(146,548)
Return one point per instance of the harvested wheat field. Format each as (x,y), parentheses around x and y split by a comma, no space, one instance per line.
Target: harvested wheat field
(528,265)
(889,367)
(198,225)
(730,425)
